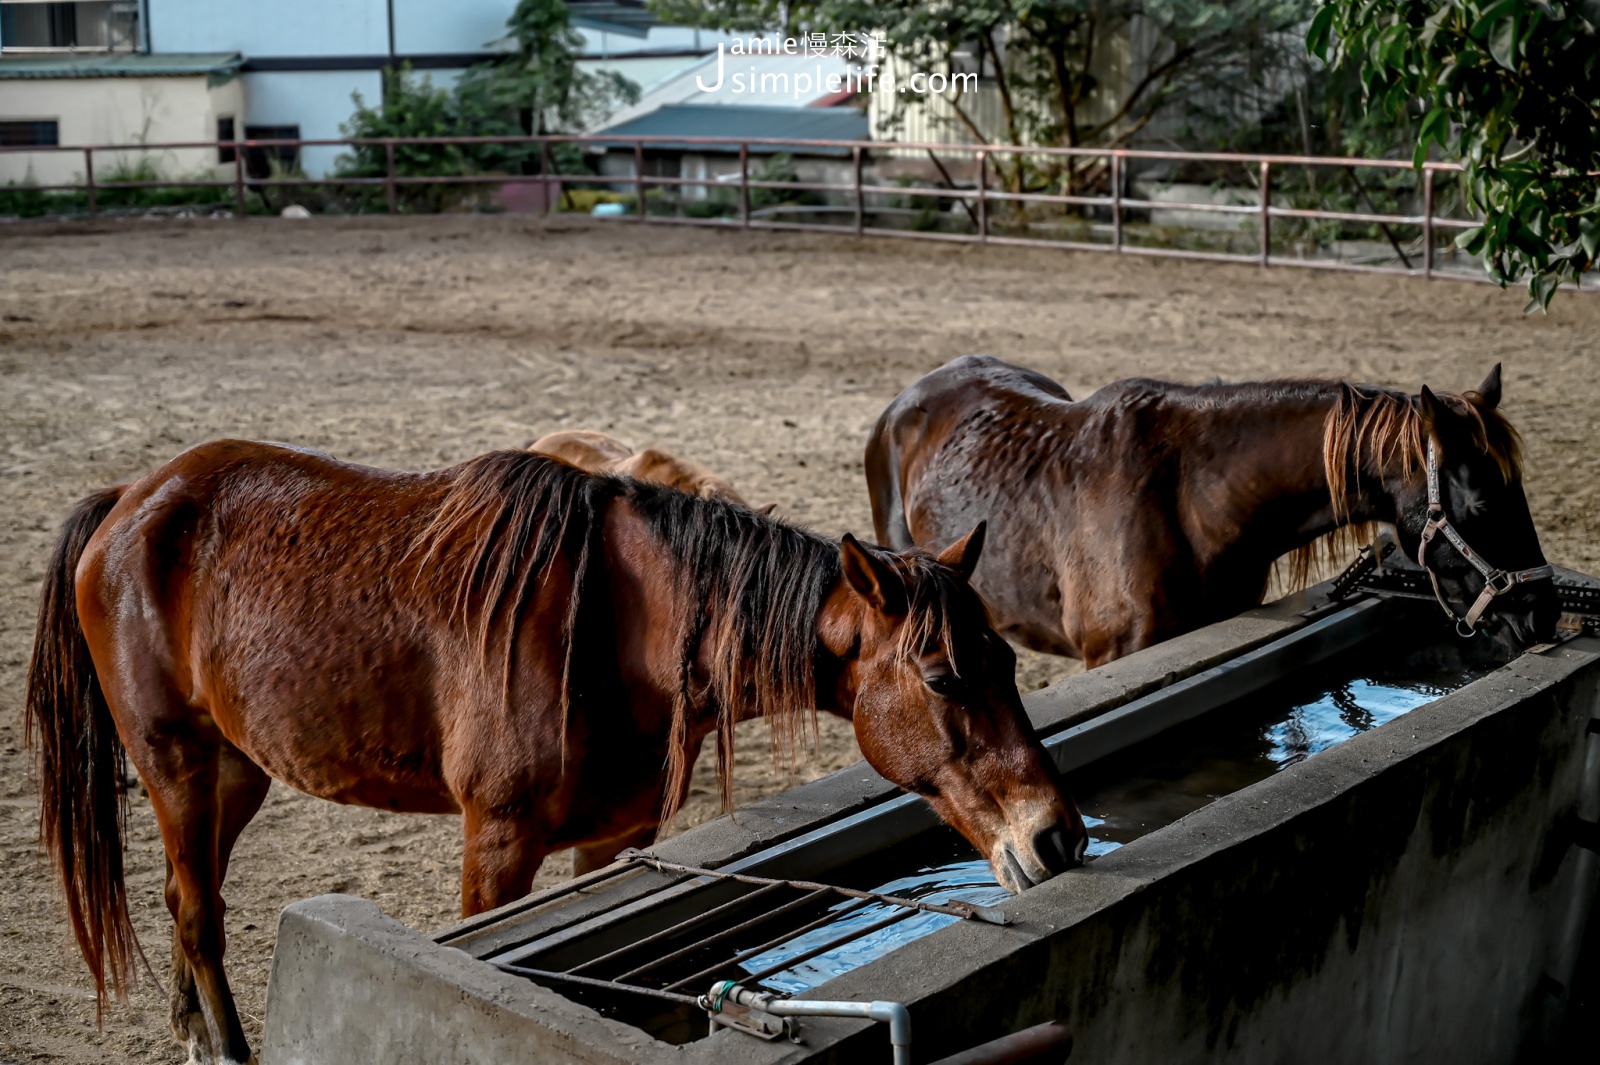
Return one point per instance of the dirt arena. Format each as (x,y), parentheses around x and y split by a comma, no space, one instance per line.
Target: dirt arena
(418,343)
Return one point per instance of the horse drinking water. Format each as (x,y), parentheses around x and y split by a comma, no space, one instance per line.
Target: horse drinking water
(1150,509)
(536,648)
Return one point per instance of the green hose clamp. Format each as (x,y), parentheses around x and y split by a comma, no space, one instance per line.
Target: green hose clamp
(719,992)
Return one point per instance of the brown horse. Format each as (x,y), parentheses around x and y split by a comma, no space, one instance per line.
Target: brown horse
(511,639)
(1150,509)
(598,453)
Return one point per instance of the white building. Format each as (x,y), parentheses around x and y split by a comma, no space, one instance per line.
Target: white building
(131,71)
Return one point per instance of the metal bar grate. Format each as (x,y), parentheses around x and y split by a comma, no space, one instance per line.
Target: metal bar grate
(687,953)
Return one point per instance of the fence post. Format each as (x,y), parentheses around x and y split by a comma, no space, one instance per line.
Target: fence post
(1266,213)
(638,176)
(983,197)
(238,180)
(390,193)
(1427,224)
(744,185)
(861,207)
(1116,202)
(544,173)
(88,181)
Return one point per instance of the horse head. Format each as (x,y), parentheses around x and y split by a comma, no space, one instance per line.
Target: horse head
(1468,523)
(933,697)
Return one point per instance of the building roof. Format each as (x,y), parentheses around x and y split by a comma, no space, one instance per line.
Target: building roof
(728,120)
(761,79)
(218,66)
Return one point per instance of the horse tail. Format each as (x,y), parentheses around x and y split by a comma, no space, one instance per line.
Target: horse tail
(81,763)
(883,483)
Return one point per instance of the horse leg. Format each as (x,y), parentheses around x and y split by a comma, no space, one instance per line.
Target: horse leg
(501,854)
(592,856)
(202,799)
(241,787)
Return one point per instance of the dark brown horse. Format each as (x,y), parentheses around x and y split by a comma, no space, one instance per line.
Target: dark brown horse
(1150,509)
(512,639)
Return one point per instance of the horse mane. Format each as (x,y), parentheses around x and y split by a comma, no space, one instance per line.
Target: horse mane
(503,521)
(1368,431)
(749,590)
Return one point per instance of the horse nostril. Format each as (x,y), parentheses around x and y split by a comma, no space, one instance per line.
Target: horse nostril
(1050,845)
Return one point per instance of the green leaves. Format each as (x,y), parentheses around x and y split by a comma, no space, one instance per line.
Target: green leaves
(1512,89)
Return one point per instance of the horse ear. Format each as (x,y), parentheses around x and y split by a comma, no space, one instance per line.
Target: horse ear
(1489,391)
(871,577)
(767,510)
(962,556)
(1435,415)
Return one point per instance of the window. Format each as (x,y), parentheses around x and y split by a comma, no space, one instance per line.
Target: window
(29,133)
(86,27)
(261,162)
(225,133)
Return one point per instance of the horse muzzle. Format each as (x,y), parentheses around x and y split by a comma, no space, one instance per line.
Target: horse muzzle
(1051,850)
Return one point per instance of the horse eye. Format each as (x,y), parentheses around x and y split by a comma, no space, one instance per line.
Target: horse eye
(944,685)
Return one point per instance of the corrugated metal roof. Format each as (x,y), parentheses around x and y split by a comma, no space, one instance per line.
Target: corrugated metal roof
(724,120)
(219,66)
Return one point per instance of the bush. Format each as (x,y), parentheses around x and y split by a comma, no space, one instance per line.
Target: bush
(413,107)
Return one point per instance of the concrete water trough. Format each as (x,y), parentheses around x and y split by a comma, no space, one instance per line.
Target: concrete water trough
(1323,824)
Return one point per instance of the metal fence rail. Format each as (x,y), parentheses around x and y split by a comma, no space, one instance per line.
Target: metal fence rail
(978,201)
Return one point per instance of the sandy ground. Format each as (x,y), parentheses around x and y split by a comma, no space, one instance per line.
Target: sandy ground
(419,343)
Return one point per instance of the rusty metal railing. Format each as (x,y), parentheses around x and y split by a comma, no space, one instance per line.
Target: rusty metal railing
(979,201)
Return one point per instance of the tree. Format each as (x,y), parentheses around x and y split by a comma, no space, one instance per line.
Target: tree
(1512,89)
(1042,56)
(539,78)
(414,107)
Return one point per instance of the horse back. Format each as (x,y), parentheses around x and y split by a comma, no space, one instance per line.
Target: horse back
(278,592)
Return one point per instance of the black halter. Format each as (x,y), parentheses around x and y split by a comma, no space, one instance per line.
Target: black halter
(1495,581)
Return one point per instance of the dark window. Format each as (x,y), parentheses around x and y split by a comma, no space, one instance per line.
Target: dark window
(224,134)
(29,133)
(96,26)
(260,162)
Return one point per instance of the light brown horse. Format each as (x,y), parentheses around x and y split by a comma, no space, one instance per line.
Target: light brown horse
(511,639)
(598,453)
(1150,509)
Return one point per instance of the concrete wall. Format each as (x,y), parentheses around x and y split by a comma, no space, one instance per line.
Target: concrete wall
(119,111)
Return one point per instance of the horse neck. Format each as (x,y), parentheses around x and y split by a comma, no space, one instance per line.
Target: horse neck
(1277,494)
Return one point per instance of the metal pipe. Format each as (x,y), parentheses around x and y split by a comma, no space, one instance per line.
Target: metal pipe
(1116,202)
(1427,224)
(983,197)
(894,1014)
(1266,213)
(744,185)
(391,194)
(860,196)
(1049,1042)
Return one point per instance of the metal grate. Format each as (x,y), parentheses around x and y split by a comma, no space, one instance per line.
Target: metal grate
(675,963)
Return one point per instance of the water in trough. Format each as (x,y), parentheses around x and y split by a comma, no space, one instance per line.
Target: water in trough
(1141,790)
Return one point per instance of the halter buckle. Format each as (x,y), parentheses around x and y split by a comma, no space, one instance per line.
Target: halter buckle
(1500,582)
